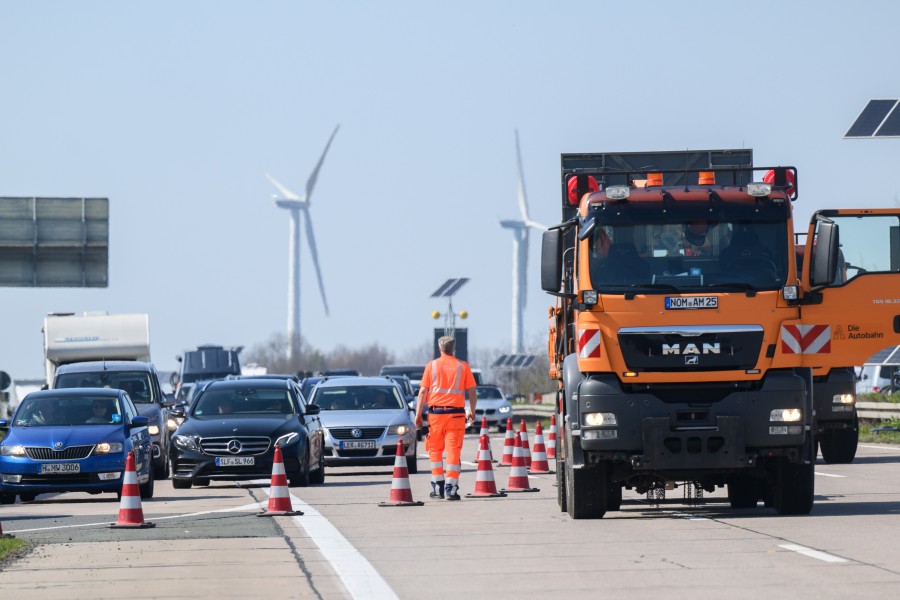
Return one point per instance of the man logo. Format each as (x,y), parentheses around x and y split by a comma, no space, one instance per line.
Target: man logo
(675,349)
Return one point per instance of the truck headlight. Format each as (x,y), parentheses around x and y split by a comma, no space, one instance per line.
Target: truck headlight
(786,415)
(843,399)
(185,442)
(599,419)
(12,450)
(398,429)
(287,439)
(107,448)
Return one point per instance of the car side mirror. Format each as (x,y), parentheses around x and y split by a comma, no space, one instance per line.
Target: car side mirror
(313,409)
(4,424)
(178,411)
(139,421)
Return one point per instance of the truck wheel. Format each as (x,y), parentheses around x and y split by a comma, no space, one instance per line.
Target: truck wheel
(586,491)
(793,488)
(613,496)
(838,446)
(743,491)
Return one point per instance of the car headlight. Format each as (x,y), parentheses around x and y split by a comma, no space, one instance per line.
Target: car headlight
(786,415)
(12,450)
(153,430)
(398,429)
(288,439)
(171,424)
(505,409)
(107,448)
(185,442)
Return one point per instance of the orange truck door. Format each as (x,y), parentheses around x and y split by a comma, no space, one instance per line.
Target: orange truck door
(859,314)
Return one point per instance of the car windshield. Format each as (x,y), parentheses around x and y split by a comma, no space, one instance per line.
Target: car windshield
(243,401)
(488,393)
(358,397)
(135,383)
(58,411)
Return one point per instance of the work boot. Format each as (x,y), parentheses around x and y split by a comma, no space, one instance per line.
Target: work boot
(437,490)
(451,491)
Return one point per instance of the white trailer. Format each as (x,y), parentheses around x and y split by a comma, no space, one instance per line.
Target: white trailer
(70,338)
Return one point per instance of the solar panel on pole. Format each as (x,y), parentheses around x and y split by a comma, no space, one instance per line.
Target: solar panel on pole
(449,287)
(879,118)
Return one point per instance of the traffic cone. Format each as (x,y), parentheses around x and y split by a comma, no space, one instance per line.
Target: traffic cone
(401,494)
(523,433)
(539,462)
(518,473)
(279,494)
(131,515)
(485,486)
(508,445)
(483,431)
(551,438)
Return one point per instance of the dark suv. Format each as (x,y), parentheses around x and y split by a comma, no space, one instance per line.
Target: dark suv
(141,382)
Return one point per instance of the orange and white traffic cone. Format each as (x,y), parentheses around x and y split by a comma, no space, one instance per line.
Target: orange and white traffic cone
(483,431)
(279,494)
(518,473)
(551,438)
(539,462)
(526,450)
(131,515)
(401,494)
(485,486)
(508,445)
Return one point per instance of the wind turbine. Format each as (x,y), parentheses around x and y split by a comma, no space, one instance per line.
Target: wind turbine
(520,255)
(299,207)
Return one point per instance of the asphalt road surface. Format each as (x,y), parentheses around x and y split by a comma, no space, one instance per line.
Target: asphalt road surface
(209,542)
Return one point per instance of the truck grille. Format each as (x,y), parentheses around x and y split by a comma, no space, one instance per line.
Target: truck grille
(71,453)
(346,433)
(219,446)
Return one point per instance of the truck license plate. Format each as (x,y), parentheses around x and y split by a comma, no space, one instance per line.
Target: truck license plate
(235,461)
(61,468)
(691,302)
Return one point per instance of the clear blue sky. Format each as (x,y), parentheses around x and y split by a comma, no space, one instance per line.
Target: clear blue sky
(175,110)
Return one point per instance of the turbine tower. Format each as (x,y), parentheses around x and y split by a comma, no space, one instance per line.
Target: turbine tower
(520,255)
(298,206)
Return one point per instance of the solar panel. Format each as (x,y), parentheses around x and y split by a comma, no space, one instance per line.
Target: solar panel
(871,118)
(891,125)
(449,287)
(513,361)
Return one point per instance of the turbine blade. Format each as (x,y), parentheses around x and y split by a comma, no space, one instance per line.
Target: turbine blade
(523,261)
(311,240)
(535,225)
(311,182)
(523,200)
(288,194)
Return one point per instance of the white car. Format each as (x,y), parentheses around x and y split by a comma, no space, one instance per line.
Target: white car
(491,403)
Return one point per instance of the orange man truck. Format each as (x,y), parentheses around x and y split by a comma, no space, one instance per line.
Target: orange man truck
(688,344)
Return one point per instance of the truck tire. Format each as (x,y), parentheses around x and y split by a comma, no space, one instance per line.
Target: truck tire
(743,491)
(586,491)
(838,446)
(793,487)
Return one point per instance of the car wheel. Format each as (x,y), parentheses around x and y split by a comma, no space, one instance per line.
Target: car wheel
(27,497)
(161,471)
(146,489)
(7,498)
(318,476)
(301,478)
(181,484)
(201,481)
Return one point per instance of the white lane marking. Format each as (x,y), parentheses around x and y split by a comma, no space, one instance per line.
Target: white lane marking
(355,572)
(817,554)
(247,507)
(830,475)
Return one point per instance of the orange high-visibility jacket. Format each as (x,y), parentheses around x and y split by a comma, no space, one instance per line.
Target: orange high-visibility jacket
(447,378)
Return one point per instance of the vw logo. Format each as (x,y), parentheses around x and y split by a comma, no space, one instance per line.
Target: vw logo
(57,445)
(234,446)
(357,432)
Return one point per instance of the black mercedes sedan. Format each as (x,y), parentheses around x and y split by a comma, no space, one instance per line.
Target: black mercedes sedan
(231,429)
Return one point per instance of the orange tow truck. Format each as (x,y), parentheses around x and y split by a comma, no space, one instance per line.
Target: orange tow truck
(687,342)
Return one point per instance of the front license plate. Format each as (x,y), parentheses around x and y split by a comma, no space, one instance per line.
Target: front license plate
(61,468)
(691,302)
(235,461)
(362,445)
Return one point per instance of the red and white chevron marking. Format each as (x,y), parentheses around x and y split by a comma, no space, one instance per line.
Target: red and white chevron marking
(588,343)
(806,339)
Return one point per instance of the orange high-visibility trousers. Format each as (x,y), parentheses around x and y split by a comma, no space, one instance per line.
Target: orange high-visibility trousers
(445,434)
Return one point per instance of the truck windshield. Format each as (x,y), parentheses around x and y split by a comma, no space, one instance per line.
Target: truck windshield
(690,252)
(135,383)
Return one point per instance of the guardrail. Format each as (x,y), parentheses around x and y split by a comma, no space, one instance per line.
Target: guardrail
(866,410)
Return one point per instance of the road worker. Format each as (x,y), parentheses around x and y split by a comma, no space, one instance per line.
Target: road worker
(445,384)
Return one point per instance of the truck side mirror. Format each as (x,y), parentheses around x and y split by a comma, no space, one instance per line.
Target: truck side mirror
(825,254)
(551,260)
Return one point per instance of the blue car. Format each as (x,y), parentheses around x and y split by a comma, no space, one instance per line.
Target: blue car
(73,440)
